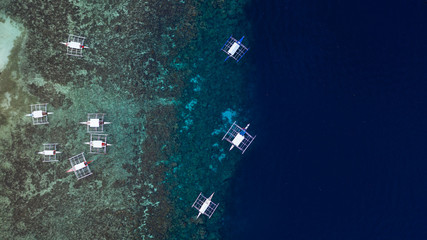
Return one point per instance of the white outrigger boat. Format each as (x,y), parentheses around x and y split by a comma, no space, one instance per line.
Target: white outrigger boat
(205,205)
(98,143)
(39,114)
(238,137)
(95,122)
(49,152)
(75,45)
(234,48)
(80,166)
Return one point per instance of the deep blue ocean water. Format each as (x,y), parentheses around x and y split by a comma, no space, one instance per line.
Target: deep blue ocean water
(341,123)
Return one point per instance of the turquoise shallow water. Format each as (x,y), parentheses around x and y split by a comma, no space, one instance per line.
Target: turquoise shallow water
(157,72)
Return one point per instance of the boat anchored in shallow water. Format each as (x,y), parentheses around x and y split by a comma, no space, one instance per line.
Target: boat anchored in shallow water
(75,45)
(49,152)
(98,143)
(80,166)
(95,122)
(234,49)
(39,113)
(238,137)
(205,205)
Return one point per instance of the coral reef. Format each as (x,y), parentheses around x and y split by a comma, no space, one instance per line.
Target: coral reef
(212,89)
(125,73)
(155,69)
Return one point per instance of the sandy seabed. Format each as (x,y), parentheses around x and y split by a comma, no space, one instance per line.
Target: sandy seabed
(9,32)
